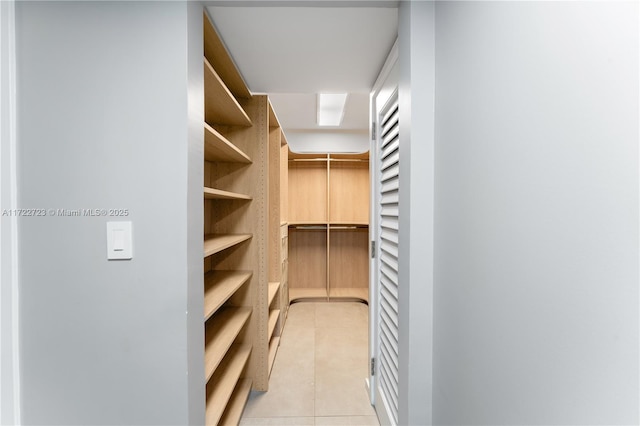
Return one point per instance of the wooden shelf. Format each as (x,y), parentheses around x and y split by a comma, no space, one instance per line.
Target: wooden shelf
(273,348)
(235,407)
(214,243)
(309,223)
(306,293)
(273,289)
(328,194)
(219,57)
(219,286)
(220,106)
(351,156)
(218,194)
(273,320)
(220,333)
(300,156)
(223,382)
(218,148)
(350,293)
(331,225)
(273,119)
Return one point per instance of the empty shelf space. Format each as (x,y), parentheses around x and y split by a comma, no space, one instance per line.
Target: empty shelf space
(220,106)
(273,289)
(218,148)
(273,321)
(218,194)
(214,243)
(221,386)
(273,348)
(234,409)
(220,333)
(219,286)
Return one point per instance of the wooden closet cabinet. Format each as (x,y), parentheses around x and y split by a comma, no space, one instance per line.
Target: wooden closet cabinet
(328,226)
(244,308)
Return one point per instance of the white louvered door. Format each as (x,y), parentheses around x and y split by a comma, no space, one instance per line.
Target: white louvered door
(386,370)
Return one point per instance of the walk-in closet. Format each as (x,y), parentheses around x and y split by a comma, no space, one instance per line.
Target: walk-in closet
(284,232)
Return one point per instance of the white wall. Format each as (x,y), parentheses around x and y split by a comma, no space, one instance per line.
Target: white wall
(9,343)
(536,213)
(416,103)
(109,101)
(328,141)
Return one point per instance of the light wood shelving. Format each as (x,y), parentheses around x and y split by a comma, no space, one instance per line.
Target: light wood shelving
(329,226)
(220,106)
(273,349)
(221,386)
(221,332)
(273,290)
(235,406)
(245,151)
(219,286)
(218,194)
(274,316)
(214,243)
(217,148)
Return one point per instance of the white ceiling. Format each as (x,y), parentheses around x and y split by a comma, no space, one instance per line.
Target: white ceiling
(296,51)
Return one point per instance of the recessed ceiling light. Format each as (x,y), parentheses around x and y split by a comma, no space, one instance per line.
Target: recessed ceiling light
(331,108)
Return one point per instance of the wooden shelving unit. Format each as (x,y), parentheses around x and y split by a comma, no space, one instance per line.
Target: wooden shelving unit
(231,244)
(220,106)
(219,286)
(218,149)
(243,296)
(218,194)
(235,406)
(328,226)
(221,331)
(224,381)
(214,243)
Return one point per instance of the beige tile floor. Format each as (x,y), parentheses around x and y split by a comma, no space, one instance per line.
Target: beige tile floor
(319,374)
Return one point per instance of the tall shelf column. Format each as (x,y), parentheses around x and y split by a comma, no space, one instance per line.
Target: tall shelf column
(244,305)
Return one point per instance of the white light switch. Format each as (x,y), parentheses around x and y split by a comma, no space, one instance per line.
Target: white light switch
(119,240)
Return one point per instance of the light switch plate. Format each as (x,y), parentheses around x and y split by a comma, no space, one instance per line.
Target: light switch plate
(119,241)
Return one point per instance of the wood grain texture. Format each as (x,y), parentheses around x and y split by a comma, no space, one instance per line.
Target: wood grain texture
(220,106)
(361,293)
(273,290)
(217,54)
(223,382)
(284,183)
(349,192)
(307,259)
(219,194)
(307,192)
(349,258)
(214,243)
(274,202)
(274,315)
(221,331)
(307,293)
(219,148)
(219,286)
(235,406)
(273,349)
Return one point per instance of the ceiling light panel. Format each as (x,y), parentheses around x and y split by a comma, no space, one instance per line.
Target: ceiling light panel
(331,108)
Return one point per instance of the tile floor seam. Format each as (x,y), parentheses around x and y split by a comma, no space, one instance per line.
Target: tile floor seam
(328,340)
